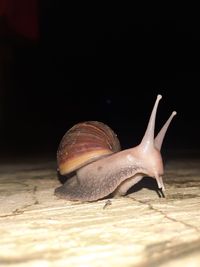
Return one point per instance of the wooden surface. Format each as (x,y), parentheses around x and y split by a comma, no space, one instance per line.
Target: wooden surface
(141,229)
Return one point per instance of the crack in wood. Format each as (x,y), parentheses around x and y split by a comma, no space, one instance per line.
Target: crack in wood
(150,206)
(21,210)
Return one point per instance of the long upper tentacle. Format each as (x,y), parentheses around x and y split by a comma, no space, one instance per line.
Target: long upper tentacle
(147,142)
(160,136)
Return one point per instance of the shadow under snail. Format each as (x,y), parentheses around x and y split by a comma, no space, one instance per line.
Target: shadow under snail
(90,151)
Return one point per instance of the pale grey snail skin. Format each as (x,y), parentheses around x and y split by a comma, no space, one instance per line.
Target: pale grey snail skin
(101,171)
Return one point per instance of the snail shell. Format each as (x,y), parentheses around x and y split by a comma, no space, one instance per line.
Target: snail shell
(85,142)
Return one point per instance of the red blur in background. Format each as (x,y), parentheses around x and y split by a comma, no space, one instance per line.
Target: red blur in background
(19,18)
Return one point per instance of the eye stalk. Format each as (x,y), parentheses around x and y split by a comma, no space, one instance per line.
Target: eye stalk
(160,136)
(147,142)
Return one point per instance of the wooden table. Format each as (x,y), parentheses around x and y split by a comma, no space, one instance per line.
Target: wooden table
(141,229)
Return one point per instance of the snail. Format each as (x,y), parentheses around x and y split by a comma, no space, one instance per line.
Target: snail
(90,154)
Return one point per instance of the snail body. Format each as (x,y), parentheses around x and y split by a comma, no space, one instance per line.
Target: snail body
(91,154)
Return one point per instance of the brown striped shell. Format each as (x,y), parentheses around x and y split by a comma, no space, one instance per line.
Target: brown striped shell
(83,143)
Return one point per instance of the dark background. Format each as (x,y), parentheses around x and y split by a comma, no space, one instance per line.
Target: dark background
(102,63)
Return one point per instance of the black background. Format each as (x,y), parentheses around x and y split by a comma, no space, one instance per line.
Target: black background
(103,63)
